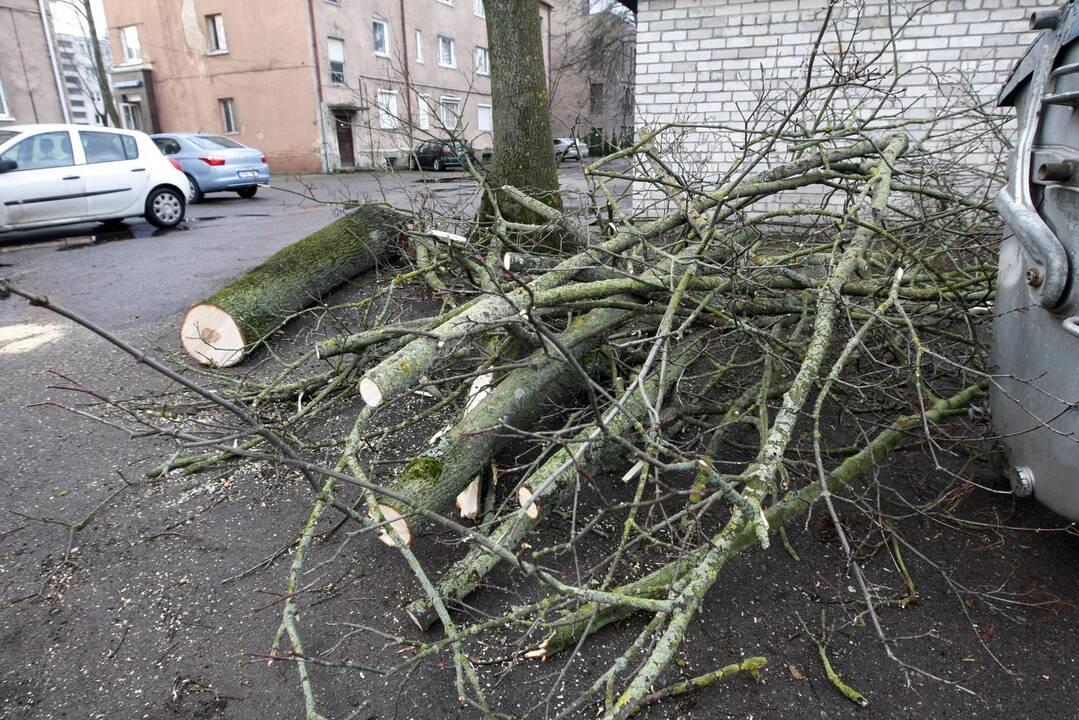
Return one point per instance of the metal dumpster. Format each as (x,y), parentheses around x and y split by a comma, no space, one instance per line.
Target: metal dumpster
(1034,398)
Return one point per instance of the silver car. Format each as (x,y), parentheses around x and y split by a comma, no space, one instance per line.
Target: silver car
(569,149)
(215,163)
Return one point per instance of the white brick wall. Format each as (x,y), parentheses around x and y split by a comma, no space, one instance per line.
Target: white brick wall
(711,61)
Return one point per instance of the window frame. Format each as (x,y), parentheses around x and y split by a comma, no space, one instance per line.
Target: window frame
(388,119)
(330,43)
(423,119)
(486,71)
(124,34)
(417,38)
(479,114)
(132,109)
(446,2)
(215,30)
(478,9)
(453,51)
(227,106)
(385,52)
(5,109)
(442,100)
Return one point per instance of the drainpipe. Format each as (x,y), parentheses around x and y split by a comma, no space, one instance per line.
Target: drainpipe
(408,78)
(52,58)
(318,86)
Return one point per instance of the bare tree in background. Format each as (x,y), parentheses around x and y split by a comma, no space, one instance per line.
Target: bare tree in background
(86,15)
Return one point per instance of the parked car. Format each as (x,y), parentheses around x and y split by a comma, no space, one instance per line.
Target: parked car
(569,149)
(215,163)
(63,174)
(440,154)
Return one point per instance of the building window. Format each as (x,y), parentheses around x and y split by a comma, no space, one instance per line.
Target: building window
(129,44)
(335,49)
(446,2)
(447,52)
(424,107)
(228,115)
(130,116)
(215,29)
(381,33)
(483,61)
(387,109)
(478,9)
(595,99)
(5,113)
(419,47)
(450,112)
(485,121)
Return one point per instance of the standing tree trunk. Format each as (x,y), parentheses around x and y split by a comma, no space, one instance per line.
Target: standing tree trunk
(524,157)
(99,67)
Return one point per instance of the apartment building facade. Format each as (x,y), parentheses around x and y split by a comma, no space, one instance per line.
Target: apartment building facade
(81,83)
(317,85)
(31,90)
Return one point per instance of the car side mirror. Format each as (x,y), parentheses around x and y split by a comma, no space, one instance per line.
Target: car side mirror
(8,165)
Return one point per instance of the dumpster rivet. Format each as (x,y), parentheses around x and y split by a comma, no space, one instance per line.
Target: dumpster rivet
(1034,277)
(1022,480)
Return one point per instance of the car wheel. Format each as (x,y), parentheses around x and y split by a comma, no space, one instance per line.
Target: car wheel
(436,165)
(196,191)
(248,192)
(165,207)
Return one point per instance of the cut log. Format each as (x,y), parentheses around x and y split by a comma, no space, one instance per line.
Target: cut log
(434,479)
(221,329)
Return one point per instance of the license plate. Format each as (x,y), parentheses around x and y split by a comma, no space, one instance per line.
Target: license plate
(248,173)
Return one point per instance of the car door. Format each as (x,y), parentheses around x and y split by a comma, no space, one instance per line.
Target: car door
(46,184)
(116,176)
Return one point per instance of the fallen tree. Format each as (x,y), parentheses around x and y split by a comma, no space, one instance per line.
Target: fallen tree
(222,329)
(605,430)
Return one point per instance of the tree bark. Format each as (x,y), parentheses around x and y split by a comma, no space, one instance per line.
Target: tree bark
(222,328)
(524,157)
(99,67)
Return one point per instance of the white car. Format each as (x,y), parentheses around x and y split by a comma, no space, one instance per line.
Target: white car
(569,149)
(62,174)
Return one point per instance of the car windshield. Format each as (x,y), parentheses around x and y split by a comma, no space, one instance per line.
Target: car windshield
(215,142)
(6,135)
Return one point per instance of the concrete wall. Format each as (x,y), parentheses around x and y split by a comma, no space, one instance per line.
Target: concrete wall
(26,70)
(268,71)
(710,61)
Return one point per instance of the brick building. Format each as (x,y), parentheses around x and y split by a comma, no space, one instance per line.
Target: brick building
(710,61)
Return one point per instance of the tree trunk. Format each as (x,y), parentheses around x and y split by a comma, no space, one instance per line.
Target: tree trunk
(524,157)
(222,328)
(434,480)
(99,67)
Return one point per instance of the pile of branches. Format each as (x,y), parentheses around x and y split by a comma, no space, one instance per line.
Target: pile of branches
(722,372)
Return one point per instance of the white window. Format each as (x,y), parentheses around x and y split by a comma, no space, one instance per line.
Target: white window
(5,112)
(387,109)
(446,2)
(129,44)
(419,47)
(483,61)
(228,115)
(131,116)
(485,121)
(450,112)
(447,52)
(477,9)
(335,50)
(215,28)
(424,106)
(382,37)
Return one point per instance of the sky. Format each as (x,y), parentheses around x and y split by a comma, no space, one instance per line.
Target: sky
(67,20)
